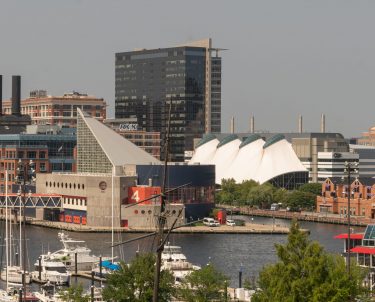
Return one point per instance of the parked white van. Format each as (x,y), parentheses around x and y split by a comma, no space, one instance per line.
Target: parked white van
(210,222)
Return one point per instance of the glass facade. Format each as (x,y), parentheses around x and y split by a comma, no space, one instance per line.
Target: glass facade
(90,155)
(149,81)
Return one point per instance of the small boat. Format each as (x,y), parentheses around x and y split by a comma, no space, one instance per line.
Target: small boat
(53,271)
(108,267)
(15,275)
(85,261)
(175,261)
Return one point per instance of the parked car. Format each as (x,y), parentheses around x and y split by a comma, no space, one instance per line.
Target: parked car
(275,207)
(210,222)
(231,222)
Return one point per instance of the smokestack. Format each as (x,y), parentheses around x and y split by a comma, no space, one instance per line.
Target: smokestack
(232,125)
(252,129)
(1,95)
(300,128)
(16,95)
(323,123)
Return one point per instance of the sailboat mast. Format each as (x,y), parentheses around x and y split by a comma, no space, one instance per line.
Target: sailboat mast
(112,214)
(20,218)
(6,229)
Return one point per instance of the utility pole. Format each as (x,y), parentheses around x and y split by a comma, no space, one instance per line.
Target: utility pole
(162,217)
(349,168)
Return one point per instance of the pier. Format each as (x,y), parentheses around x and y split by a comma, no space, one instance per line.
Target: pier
(248,228)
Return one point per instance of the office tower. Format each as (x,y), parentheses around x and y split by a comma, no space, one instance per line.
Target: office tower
(186,78)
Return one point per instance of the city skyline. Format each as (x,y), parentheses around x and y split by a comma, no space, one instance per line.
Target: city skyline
(284,59)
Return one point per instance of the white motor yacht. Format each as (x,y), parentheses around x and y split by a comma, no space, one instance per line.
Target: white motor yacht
(85,261)
(174,260)
(15,275)
(53,271)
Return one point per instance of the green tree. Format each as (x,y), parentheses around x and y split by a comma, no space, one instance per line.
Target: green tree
(135,282)
(305,272)
(313,188)
(206,284)
(281,196)
(244,189)
(301,200)
(74,294)
(228,192)
(261,195)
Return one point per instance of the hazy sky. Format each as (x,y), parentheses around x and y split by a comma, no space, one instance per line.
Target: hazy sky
(285,58)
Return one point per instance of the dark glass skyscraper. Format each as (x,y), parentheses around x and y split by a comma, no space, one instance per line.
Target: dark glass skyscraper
(148,82)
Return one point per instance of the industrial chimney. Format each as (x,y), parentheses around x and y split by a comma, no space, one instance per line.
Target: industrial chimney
(16,95)
(252,129)
(1,95)
(300,128)
(232,125)
(323,123)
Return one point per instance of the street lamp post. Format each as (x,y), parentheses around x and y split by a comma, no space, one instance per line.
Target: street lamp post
(25,174)
(349,168)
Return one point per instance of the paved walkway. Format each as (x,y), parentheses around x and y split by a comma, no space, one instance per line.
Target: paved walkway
(249,228)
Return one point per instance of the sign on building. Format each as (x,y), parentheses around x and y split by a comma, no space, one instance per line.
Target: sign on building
(128,127)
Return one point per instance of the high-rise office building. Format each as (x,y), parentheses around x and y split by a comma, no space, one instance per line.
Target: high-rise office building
(185,78)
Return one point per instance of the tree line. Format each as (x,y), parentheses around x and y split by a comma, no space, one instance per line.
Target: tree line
(251,193)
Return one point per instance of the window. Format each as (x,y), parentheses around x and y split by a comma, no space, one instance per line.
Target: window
(42,154)
(31,154)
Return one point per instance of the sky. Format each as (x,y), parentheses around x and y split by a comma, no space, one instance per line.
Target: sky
(285,58)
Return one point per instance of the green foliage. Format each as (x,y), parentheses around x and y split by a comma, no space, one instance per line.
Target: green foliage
(229,191)
(251,193)
(305,272)
(281,196)
(261,195)
(135,282)
(301,200)
(206,284)
(74,294)
(313,188)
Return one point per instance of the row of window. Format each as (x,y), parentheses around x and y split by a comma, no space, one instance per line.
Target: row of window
(149,212)
(75,201)
(66,185)
(21,154)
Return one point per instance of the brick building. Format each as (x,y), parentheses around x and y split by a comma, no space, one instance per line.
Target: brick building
(334,197)
(58,110)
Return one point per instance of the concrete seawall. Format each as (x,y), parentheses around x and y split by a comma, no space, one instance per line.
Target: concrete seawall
(248,228)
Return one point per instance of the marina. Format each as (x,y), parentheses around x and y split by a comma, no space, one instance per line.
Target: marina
(228,252)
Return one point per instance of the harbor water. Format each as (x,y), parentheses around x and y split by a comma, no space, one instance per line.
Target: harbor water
(230,253)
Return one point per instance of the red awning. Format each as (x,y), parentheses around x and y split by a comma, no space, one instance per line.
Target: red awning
(352,236)
(363,250)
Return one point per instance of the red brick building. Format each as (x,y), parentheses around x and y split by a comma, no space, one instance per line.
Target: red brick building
(334,198)
(58,110)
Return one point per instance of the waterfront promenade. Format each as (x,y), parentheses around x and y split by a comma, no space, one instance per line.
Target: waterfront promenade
(304,216)
(248,228)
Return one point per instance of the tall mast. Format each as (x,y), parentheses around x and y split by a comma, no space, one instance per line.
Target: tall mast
(20,236)
(6,228)
(162,218)
(112,232)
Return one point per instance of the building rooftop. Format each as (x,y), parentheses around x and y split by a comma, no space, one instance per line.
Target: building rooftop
(119,151)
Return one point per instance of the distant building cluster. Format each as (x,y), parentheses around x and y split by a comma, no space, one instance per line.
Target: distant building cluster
(58,110)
